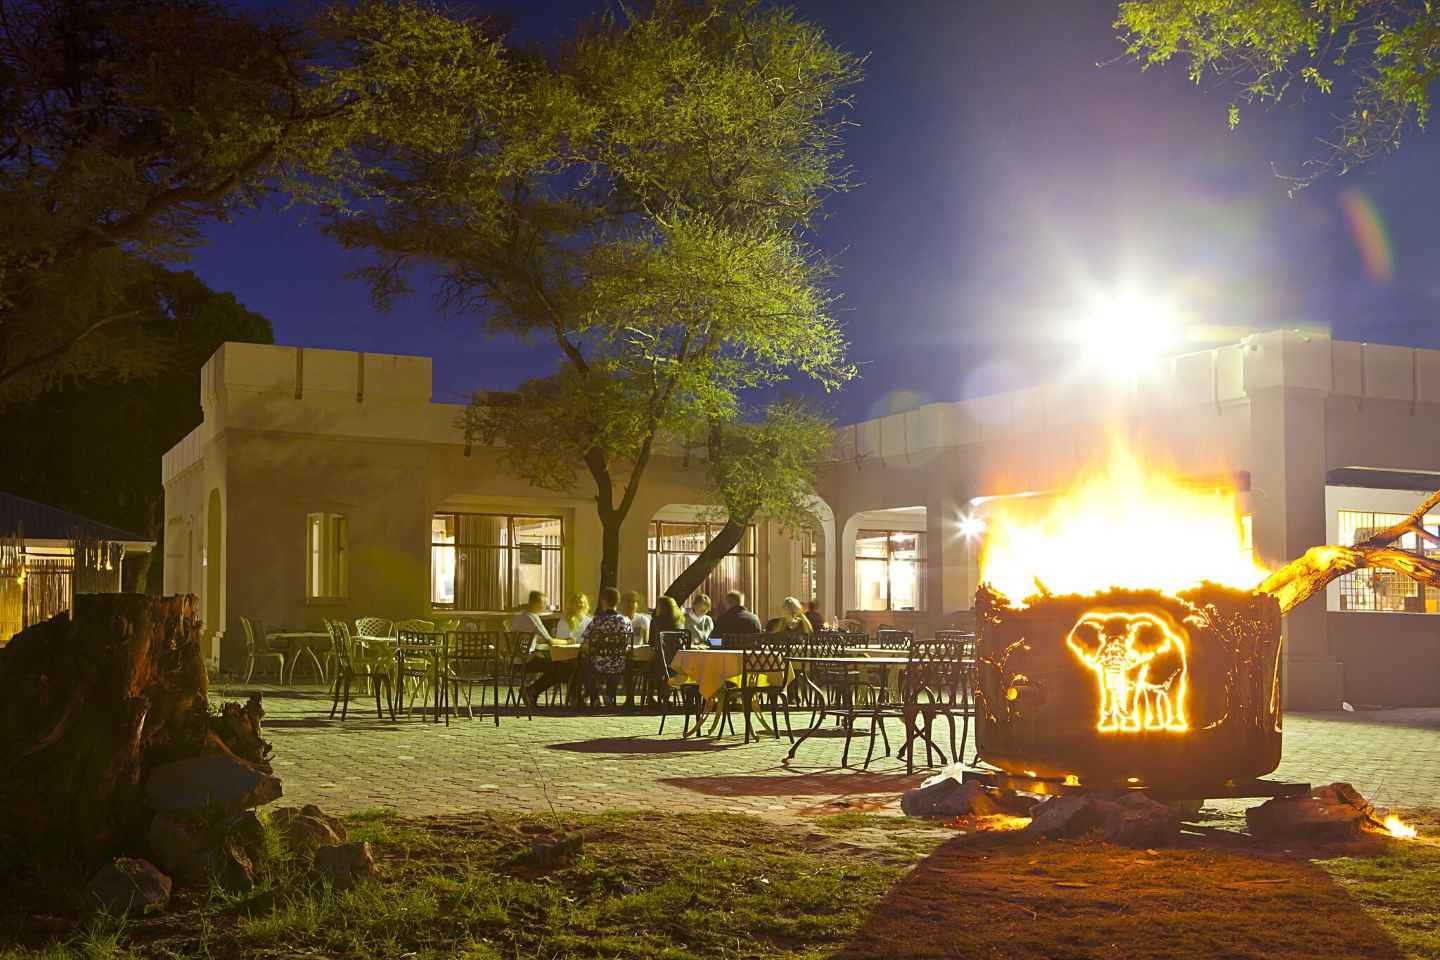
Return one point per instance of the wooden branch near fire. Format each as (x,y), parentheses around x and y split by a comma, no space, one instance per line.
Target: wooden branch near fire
(1302,578)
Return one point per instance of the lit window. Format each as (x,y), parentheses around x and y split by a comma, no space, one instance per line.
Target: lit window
(890,570)
(491,562)
(327,575)
(674,546)
(812,549)
(1385,591)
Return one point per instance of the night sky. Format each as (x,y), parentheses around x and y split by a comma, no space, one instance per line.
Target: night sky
(1001,173)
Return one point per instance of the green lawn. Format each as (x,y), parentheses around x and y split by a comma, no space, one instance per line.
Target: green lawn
(850,886)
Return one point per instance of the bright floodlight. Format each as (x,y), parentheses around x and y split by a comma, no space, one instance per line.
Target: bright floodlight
(1129,329)
(972,527)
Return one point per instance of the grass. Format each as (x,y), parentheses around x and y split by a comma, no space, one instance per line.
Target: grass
(851,885)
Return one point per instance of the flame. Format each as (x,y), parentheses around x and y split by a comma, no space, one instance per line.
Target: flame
(1399,828)
(1123,524)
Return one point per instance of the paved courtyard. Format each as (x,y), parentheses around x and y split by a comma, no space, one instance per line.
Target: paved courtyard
(591,763)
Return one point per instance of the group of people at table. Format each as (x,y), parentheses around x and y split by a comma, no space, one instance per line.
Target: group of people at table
(620,616)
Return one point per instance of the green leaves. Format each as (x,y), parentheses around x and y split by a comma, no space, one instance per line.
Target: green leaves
(1391,50)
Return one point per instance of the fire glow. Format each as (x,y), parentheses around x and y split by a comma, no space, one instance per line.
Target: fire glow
(1121,524)
(1400,829)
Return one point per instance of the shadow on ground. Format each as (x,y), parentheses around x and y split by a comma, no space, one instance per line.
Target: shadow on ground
(837,783)
(999,895)
(637,745)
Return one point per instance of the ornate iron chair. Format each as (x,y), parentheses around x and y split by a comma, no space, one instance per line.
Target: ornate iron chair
(765,674)
(670,685)
(349,668)
(938,683)
(471,658)
(417,661)
(891,638)
(606,663)
(374,627)
(257,648)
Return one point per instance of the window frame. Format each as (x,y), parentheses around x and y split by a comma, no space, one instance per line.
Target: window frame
(653,550)
(812,550)
(1367,582)
(921,563)
(508,550)
(327,558)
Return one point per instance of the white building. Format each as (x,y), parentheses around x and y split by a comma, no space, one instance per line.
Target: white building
(327,483)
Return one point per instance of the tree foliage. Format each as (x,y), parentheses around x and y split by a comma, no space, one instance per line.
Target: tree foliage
(125,128)
(642,199)
(95,447)
(1384,55)
(758,468)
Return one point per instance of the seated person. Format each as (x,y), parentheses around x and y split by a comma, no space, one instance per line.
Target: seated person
(639,619)
(667,617)
(793,620)
(608,622)
(575,620)
(697,620)
(736,619)
(527,620)
(813,614)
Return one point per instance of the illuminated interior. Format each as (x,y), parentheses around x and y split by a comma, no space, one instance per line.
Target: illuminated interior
(1139,662)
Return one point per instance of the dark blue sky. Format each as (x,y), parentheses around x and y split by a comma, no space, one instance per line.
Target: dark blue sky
(998,164)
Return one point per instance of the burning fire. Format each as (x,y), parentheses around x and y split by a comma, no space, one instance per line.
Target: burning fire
(1123,524)
(1399,828)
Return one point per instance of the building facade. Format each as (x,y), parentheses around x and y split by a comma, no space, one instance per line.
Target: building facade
(327,483)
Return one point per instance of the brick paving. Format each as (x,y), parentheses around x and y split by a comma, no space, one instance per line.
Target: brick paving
(617,762)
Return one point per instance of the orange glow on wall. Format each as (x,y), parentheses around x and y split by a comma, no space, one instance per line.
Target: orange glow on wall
(1139,662)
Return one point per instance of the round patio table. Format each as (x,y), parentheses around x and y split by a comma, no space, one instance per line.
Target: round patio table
(297,642)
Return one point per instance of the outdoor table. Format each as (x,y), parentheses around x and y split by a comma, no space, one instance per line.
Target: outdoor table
(886,662)
(297,642)
(711,670)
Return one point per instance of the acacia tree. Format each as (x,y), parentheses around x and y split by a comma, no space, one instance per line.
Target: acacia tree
(1384,53)
(642,201)
(760,468)
(126,128)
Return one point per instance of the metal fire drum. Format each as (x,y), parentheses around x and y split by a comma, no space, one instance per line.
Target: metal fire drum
(1179,695)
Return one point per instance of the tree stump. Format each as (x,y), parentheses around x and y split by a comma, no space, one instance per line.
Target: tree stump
(90,701)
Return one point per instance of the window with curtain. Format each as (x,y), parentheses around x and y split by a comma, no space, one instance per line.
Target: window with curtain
(890,570)
(674,546)
(812,550)
(327,546)
(1384,591)
(484,561)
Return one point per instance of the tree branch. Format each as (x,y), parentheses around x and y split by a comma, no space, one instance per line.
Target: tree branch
(10,374)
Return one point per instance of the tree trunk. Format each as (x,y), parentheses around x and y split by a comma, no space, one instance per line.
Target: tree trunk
(716,550)
(93,699)
(1305,576)
(610,522)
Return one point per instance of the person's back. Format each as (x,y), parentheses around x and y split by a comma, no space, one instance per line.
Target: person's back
(736,619)
(527,620)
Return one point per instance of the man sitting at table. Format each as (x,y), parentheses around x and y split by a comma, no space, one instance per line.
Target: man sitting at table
(639,619)
(736,619)
(548,671)
(528,621)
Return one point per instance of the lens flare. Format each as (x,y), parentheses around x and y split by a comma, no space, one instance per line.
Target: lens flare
(1124,523)
(1367,229)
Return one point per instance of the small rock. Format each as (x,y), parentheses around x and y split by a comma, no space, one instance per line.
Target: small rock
(1343,793)
(207,787)
(345,864)
(949,797)
(246,830)
(281,817)
(305,835)
(129,883)
(229,865)
(1065,816)
(1135,820)
(1287,817)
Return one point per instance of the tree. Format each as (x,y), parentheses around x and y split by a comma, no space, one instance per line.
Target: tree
(764,468)
(1384,54)
(642,200)
(95,447)
(125,128)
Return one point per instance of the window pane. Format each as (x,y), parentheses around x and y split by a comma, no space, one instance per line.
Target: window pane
(872,590)
(442,575)
(684,537)
(872,543)
(481,530)
(536,568)
(1384,591)
(482,578)
(906,585)
(544,531)
(907,546)
(442,528)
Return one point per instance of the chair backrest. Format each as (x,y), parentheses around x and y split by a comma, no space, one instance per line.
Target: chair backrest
(851,625)
(740,641)
(413,639)
(374,627)
(666,644)
(893,639)
(339,642)
(514,645)
(938,669)
(415,626)
(470,651)
(966,639)
(468,625)
(609,653)
(249,634)
(759,660)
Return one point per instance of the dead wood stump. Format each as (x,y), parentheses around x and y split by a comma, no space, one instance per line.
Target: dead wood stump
(90,701)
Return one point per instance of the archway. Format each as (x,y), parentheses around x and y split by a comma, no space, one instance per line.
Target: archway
(884,560)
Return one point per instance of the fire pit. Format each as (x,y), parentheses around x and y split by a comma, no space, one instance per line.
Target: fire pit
(1132,688)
